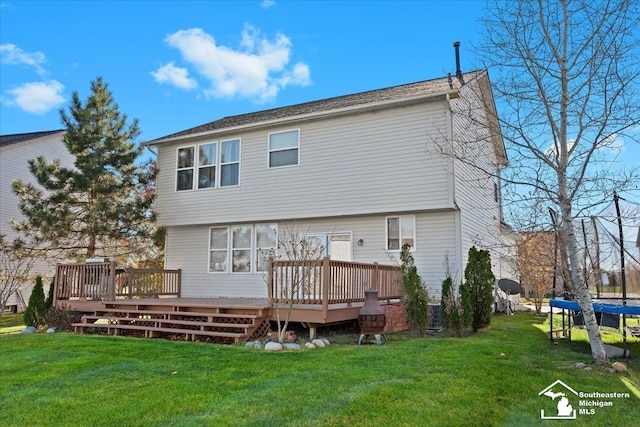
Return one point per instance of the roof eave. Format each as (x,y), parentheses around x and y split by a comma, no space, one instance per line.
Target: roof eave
(310,116)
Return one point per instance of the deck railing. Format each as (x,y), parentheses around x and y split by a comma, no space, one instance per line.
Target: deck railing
(326,281)
(105,282)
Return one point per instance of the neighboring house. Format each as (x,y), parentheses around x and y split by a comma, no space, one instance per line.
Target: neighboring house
(15,153)
(362,174)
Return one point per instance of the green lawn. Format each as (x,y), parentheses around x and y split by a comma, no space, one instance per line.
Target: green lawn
(492,378)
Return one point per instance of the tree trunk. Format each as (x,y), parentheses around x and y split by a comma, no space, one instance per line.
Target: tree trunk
(582,292)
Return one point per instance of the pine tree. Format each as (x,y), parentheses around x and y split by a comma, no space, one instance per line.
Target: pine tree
(415,293)
(48,303)
(480,281)
(100,206)
(36,308)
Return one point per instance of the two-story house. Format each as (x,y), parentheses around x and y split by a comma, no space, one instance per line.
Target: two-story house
(15,152)
(361,174)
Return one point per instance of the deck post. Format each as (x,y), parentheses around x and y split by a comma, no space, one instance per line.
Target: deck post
(56,286)
(374,277)
(111,283)
(326,274)
(179,283)
(130,279)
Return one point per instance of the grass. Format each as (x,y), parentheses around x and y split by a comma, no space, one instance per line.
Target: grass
(489,379)
(11,323)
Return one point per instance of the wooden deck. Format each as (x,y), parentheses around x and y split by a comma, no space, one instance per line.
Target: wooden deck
(120,304)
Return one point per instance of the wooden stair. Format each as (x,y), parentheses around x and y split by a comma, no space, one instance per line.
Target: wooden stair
(219,324)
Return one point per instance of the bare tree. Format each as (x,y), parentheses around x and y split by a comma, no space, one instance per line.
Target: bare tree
(536,252)
(295,280)
(567,93)
(16,261)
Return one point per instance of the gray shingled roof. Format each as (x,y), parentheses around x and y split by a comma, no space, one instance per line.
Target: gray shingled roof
(20,137)
(425,87)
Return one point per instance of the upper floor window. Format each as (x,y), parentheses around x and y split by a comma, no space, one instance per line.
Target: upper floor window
(284,148)
(185,168)
(401,230)
(229,162)
(207,154)
(218,165)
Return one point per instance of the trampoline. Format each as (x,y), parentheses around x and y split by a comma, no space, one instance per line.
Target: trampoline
(609,249)
(608,313)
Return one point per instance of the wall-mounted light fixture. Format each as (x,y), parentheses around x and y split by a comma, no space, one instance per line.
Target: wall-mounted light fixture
(360,242)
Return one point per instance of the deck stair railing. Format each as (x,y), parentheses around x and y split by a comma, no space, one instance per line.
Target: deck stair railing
(104,281)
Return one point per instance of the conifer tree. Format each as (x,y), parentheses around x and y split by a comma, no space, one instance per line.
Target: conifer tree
(480,282)
(34,313)
(415,294)
(99,207)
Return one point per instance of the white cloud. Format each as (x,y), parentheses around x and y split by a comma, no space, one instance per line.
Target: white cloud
(257,69)
(176,76)
(12,54)
(266,4)
(37,97)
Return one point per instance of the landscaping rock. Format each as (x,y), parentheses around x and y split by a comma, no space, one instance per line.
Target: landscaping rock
(326,342)
(580,365)
(318,343)
(273,346)
(309,345)
(610,370)
(52,330)
(619,367)
(29,330)
(257,345)
(588,368)
(292,346)
(249,344)
(289,336)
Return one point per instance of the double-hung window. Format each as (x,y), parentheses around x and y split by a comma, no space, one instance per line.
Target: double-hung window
(185,168)
(266,244)
(218,249)
(241,248)
(284,148)
(209,165)
(229,162)
(401,230)
(207,154)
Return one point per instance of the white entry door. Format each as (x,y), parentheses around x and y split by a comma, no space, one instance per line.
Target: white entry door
(337,246)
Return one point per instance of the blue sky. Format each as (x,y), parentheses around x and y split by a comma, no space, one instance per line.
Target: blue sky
(175,65)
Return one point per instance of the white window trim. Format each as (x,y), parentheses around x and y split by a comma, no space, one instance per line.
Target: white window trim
(215,165)
(233,248)
(209,251)
(218,165)
(256,247)
(386,232)
(230,248)
(269,151)
(193,168)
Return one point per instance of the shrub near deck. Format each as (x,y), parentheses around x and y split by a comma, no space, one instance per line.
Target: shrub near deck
(490,378)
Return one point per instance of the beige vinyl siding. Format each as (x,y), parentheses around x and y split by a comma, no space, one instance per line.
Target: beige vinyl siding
(373,162)
(14,166)
(474,186)
(435,237)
